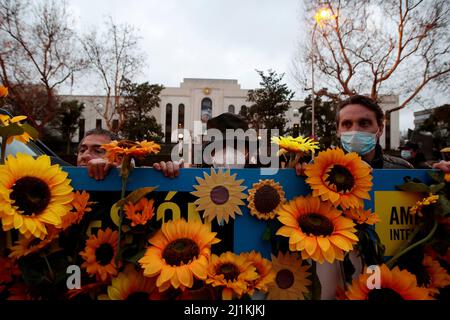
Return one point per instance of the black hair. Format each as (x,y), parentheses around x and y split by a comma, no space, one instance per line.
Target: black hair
(102,132)
(365,102)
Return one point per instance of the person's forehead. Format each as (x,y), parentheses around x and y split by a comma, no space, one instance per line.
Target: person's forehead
(96,139)
(355,112)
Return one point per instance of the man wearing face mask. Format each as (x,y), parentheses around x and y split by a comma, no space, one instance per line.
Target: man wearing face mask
(411,153)
(360,124)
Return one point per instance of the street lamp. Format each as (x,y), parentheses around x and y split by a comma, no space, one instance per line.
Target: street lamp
(321,15)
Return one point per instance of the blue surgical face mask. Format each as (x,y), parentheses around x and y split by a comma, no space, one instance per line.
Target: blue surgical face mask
(358,141)
(406,154)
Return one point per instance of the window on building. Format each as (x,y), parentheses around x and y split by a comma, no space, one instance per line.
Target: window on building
(243,108)
(231,108)
(181,116)
(98,123)
(168,122)
(115,125)
(206,111)
(81,129)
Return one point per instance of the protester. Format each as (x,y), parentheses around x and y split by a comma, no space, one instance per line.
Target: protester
(240,158)
(92,155)
(412,153)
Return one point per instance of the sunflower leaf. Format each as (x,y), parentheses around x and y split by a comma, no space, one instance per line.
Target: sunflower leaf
(349,268)
(30,130)
(435,188)
(267,234)
(436,175)
(12,129)
(135,196)
(414,187)
(135,258)
(445,204)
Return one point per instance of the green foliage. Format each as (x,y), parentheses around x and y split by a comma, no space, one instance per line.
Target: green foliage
(139,101)
(324,115)
(66,121)
(270,103)
(438,123)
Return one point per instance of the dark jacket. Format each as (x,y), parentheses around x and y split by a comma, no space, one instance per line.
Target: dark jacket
(384,161)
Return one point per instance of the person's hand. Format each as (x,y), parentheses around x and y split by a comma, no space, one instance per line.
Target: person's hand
(98,168)
(300,169)
(169,169)
(442,165)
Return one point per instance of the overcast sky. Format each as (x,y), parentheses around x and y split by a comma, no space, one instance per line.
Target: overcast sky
(225,39)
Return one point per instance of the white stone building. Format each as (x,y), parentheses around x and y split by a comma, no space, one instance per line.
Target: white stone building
(200,99)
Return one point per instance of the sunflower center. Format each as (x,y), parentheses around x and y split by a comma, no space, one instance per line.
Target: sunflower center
(180,251)
(284,279)
(104,254)
(31,195)
(219,195)
(138,296)
(229,271)
(316,224)
(384,294)
(341,177)
(266,199)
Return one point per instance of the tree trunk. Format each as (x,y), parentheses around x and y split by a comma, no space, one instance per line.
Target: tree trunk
(388,131)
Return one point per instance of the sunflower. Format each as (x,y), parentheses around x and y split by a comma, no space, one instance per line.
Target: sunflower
(116,150)
(447,177)
(139,213)
(131,285)
(344,179)
(317,229)
(361,216)
(297,145)
(232,272)
(100,254)
(26,246)
(421,204)
(33,194)
(265,198)
(396,285)
(179,253)
(80,206)
(219,195)
(291,278)
(264,270)
(6,120)
(439,278)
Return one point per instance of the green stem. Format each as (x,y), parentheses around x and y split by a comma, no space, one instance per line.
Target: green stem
(52,275)
(3,150)
(391,262)
(122,196)
(294,159)
(341,267)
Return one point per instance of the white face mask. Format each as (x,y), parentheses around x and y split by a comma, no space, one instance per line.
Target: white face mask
(229,158)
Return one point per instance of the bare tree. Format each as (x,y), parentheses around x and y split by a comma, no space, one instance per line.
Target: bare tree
(378,47)
(36,50)
(114,56)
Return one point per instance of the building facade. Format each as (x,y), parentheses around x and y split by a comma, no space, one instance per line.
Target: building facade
(201,99)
